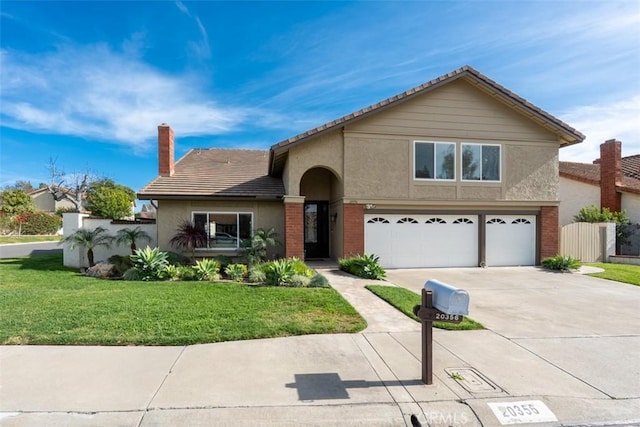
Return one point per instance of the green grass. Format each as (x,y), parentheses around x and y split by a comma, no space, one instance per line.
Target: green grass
(625,273)
(28,239)
(404,300)
(43,302)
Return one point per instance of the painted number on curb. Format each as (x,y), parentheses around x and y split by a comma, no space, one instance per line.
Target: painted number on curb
(530,411)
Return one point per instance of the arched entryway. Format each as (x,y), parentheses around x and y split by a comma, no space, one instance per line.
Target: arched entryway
(322,190)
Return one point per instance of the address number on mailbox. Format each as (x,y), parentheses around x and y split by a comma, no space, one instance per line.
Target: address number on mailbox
(434,315)
(444,317)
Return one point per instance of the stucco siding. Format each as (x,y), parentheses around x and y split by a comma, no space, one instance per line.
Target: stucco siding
(44,202)
(173,212)
(531,172)
(631,204)
(325,151)
(422,191)
(376,167)
(480,192)
(574,195)
(455,110)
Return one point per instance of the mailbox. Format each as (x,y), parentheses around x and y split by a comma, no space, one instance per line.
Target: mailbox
(447,298)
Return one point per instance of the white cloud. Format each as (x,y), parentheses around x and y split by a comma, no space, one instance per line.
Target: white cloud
(94,92)
(617,120)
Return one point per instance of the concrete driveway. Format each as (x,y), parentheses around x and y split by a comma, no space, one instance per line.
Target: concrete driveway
(587,327)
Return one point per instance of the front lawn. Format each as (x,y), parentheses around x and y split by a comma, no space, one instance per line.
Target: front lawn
(43,302)
(28,239)
(404,300)
(619,272)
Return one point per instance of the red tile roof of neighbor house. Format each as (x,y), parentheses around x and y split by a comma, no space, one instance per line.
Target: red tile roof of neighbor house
(217,172)
(590,173)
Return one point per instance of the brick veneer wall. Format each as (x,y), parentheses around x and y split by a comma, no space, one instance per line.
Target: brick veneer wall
(166,162)
(549,229)
(610,175)
(353,229)
(293,230)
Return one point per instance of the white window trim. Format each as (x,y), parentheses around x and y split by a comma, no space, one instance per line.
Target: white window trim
(455,161)
(237,214)
(462,144)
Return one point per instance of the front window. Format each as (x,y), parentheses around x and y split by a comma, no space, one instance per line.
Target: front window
(481,162)
(434,160)
(224,230)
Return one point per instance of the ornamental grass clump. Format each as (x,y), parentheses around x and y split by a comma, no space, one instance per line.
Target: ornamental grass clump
(561,263)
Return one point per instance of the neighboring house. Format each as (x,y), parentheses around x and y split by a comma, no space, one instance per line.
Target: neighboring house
(44,201)
(612,181)
(456,172)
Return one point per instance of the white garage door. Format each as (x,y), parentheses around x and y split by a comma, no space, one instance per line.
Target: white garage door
(511,240)
(403,241)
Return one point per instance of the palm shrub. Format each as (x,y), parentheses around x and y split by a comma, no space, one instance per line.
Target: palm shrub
(189,237)
(366,266)
(149,263)
(236,272)
(89,239)
(129,236)
(207,269)
(562,263)
(254,250)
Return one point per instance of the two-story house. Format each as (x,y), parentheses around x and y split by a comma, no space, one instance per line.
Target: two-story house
(458,171)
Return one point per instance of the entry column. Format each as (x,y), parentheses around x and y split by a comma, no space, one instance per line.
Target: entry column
(294,226)
(353,229)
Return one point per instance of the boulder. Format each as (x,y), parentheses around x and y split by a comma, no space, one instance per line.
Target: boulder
(101,270)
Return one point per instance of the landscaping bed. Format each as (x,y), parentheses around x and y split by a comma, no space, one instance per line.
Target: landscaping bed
(45,303)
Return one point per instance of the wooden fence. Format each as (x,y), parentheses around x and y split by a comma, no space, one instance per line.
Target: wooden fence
(588,242)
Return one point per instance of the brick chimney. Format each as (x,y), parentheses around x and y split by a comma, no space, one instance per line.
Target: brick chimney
(166,165)
(610,174)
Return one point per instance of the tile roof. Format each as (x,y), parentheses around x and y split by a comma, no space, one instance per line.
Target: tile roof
(570,135)
(590,173)
(631,166)
(217,173)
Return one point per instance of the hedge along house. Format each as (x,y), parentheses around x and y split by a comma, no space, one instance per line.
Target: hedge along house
(456,172)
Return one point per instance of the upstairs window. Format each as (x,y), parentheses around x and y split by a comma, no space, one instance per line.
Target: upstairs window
(481,162)
(435,160)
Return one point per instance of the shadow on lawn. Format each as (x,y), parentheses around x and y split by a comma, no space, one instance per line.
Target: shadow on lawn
(39,262)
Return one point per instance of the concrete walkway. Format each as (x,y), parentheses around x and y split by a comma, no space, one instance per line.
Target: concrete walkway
(366,379)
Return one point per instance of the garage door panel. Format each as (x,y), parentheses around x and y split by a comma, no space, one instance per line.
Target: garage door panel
(379,239)
(511,240)
(423,240)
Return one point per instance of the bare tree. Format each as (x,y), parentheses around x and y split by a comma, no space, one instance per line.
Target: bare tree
(71,187)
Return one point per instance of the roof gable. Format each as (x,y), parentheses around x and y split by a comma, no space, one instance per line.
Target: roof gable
(567,134)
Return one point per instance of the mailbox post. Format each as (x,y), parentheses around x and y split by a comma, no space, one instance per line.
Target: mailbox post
(441,303)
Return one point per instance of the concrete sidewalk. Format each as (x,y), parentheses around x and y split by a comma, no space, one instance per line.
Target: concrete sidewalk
(366,379)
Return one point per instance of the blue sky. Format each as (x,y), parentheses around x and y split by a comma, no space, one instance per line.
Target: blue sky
(87,83)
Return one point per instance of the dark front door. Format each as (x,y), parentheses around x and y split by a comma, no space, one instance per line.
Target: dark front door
(316,230)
